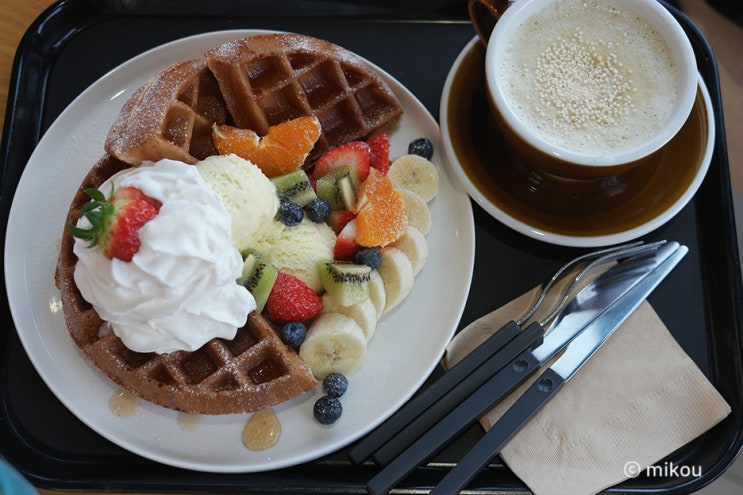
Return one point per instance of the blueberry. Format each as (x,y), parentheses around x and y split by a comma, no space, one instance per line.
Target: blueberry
(421,146)
(327,410)
(335,384)
(290,213)
(293,333)
(369,256)
(318,210)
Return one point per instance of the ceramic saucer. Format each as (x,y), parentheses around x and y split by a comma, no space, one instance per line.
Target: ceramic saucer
(579,213)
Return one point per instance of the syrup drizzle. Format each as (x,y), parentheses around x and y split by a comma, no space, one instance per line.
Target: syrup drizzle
(262,430)
(123,403)
(189,421)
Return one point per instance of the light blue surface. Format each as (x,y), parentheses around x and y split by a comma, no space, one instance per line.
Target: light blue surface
(12,483)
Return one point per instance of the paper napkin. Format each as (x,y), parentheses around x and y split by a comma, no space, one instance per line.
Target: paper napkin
(638,399)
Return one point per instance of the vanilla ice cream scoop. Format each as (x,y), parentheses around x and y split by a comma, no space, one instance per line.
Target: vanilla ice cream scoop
(179,290)
(247,194)
(297,249)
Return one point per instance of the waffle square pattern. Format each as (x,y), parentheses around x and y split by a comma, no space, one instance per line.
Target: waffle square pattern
(268,79)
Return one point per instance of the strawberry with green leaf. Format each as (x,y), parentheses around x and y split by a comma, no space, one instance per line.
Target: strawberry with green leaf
(116,221)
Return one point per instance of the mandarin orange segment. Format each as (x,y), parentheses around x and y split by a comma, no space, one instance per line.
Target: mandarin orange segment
(380,217)
(233,140)
(283,150)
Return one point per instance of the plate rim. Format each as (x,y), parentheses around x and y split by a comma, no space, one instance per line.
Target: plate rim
(465,236)
(550,237)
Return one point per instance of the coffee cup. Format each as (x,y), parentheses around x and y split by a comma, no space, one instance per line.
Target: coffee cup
(584,89)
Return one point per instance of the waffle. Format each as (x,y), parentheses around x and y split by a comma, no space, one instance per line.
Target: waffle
(170,116)
(268,79)
(253,371)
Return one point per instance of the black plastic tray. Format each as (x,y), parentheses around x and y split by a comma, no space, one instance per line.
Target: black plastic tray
(76,41)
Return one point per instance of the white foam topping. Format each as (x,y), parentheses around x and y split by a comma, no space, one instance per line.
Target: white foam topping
(179,291)
(590,77)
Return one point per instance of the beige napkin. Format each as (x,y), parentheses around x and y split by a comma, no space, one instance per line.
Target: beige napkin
(639,398)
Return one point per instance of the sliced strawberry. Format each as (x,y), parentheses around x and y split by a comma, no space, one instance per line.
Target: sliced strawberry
(339,218)
(356,154)
(380,152)
(134,193)
(116,221)
(346,247)
(292,300)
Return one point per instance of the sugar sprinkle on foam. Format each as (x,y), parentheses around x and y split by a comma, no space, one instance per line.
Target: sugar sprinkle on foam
(589,76)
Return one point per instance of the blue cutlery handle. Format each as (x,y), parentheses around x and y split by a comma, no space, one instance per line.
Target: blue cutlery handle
(430,396)
(526,340)
(454,423)
(535,397)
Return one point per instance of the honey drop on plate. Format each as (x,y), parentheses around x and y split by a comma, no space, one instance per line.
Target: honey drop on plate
(188,421)
(262,430)
(123,403)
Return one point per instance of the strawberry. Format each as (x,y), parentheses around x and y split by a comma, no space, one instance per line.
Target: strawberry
(356,154)
(291,299)
(339,218)
(346,247)
(115,222)
(380,152)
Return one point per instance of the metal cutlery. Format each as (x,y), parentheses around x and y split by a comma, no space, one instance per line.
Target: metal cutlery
(433,403)
(514,363)
(552,380)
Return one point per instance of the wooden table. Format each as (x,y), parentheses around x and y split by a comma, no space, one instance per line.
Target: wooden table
(725,37)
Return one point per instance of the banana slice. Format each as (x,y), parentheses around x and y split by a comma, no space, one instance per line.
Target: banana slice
(397,274)
(377,295)
(416,174)
(417,211)
(363,312)
(415,246)
(335,343)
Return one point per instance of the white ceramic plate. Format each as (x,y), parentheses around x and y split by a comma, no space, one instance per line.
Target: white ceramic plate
(404,351)
(565,230)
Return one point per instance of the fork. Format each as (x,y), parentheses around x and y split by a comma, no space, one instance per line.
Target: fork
(499,380)
(433,403)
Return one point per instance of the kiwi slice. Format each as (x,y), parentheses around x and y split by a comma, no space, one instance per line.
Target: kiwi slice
(338,187)
(346,282)
(295,187)
(258,277)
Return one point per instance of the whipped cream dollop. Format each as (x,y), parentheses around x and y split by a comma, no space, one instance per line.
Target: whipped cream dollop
(179,290)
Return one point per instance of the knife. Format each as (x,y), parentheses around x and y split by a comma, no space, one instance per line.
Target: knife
(587,306)
(396,435)
(412,420)
(552,380)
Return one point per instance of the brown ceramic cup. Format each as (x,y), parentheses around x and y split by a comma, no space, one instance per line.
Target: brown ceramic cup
(585,88)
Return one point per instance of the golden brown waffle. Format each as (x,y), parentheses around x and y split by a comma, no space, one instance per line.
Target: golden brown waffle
(268,79)
(169,117)
(253,371)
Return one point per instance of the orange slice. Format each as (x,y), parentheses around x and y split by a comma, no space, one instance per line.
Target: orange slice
(283,150)
(380,217)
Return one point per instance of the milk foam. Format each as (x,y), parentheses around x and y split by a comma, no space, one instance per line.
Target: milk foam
(589,77)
